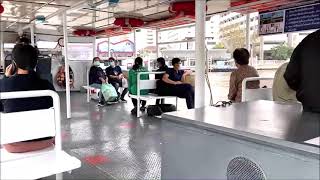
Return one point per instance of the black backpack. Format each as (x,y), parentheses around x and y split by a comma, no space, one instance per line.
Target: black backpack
(168,107)
(154,110)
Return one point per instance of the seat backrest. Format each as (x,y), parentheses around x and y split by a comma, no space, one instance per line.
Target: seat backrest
(28,125)
(256,94)
(147,84)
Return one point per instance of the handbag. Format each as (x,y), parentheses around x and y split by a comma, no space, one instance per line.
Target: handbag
(154,110)
(109,92)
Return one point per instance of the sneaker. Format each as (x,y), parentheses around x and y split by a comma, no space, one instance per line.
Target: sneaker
(143,109)
(123,100)
(100,104)
(134,111)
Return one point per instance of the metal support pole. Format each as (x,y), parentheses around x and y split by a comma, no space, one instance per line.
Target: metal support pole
(200,53)
(1,47)
(32,34)
(135,43)
(157,43)
(109,53)
(248,32)
(290,40)
(65,36)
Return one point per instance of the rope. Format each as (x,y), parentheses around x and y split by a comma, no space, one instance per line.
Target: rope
(208,79)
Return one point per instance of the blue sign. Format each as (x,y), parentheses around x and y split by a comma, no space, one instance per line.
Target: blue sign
(302,18)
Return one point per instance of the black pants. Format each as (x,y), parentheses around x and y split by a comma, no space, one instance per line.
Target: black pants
(116,85)
(160,101)
(142,102)
(180,90)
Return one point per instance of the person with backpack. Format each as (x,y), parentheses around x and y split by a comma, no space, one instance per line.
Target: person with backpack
(133,73)
(20,76)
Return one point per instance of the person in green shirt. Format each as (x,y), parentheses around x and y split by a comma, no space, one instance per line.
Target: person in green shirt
(133,73)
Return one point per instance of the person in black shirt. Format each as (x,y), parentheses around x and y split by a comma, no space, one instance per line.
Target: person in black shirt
(302,73)
(116,78)
(20,76)
(175,83)
(161,63)
(97,78)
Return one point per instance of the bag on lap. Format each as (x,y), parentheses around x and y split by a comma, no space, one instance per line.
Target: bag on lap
(154,110)
(109,92)
(168,107)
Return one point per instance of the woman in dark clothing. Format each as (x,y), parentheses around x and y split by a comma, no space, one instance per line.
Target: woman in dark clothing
(175,84)
(161,62)
(97,77)
(20,76)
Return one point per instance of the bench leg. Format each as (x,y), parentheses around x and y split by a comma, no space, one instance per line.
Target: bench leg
(59,176)
(88,95)
(177,103)
(138,108)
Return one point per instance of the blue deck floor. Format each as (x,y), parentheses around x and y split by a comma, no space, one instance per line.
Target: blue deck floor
(110,142)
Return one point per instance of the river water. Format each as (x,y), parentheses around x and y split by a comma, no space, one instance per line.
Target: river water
(220,84)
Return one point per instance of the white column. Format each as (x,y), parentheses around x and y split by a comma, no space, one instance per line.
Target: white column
(1,46)
(261,48)
(32,34)
(65,35)
(157,43)
(109,53)
(135,43)
(248,32)
(290,40)
(94,49)
(200,53)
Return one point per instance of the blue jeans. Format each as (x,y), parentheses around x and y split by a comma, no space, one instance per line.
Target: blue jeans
(98,86)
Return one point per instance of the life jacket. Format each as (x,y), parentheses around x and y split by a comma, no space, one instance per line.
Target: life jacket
(61,77)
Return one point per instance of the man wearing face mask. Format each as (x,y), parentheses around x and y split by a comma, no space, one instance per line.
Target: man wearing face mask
(115,76)
(97,77)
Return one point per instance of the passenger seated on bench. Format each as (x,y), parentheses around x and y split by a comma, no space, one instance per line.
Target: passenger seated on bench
(21,77)
(133,73)
(115,77)
(174,84)
(97,77)
(161,63)
(280,90)
(241,57)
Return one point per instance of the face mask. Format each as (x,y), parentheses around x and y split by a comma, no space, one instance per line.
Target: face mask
(112,64)
(96,63)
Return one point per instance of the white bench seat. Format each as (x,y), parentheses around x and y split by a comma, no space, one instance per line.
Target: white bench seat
(37,165)
(151,96)
(19,126)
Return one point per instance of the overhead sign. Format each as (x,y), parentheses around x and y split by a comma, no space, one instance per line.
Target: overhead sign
(303,18)
(271,23)
(290,20)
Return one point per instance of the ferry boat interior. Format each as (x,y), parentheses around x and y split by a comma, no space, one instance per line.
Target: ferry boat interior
(258,138)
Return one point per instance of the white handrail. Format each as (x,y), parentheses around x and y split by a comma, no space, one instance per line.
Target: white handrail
(244,84)
(41,93)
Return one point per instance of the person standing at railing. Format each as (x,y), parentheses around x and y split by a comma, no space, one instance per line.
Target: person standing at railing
(20,76)
(241,57)
(97,77)
(175,83)
(303,72)
(133,73)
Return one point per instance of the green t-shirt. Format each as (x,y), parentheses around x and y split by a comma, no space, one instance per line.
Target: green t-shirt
(133,81)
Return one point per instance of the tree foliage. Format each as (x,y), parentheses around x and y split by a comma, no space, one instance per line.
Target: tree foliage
(281,52)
